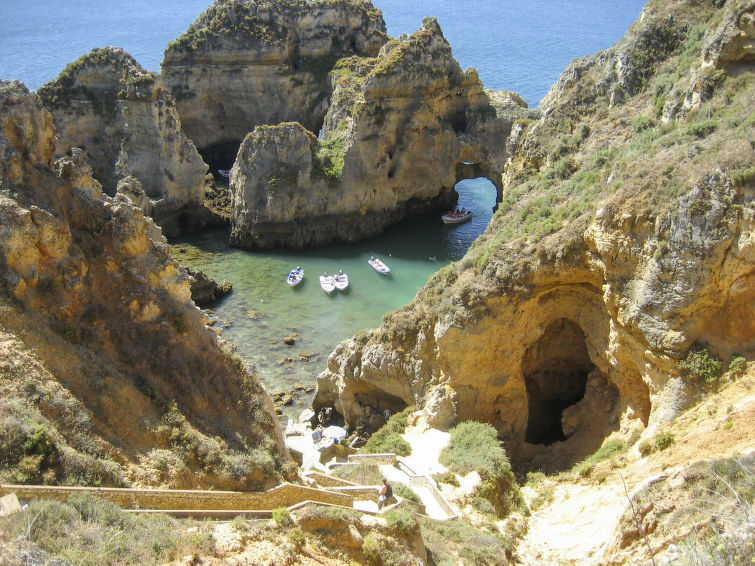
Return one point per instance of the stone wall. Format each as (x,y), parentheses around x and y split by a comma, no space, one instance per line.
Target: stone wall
(283,495)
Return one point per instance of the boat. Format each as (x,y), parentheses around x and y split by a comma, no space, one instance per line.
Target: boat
(378,265)
(295,276)
(225,172)
(327,283)
(457,217)
(341,280)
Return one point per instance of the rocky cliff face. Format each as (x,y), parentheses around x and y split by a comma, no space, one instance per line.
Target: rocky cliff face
(107,365)
(622,244)
(256,62)
(401,129)
(130,132)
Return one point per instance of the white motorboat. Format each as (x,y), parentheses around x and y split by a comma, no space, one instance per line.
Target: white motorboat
(225,172)
(341,280)
(378,265)
(295,276)
(457,217)
(327,283)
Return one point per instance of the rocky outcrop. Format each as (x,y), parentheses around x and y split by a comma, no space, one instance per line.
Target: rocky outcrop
(619,247)
(245,63)
(401,129)
(91,298)
(732,45)
(205,290)
(130,132)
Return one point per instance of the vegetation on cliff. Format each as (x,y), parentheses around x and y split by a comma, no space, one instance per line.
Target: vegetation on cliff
(474,447)
(109,374)
(263,21)
(638,136)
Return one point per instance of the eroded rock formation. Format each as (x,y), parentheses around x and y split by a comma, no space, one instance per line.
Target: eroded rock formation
(103,350)
(256,62)
(130,132)
(401,129)
(621,244)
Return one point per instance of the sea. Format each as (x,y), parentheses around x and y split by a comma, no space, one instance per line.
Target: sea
(516,45)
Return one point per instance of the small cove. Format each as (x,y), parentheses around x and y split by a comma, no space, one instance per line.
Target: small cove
(263,309)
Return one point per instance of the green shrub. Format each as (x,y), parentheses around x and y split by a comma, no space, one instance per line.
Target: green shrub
(703,129)
(475,446)
(93,532)
(535,479)
(737,366)
(296,535)
(701,366)
(388,438)
(401,519)
(642,123)
(544,497)
(281,516)
(663,440)
(608,450)
(459,542)
(583,469)
(634,437)
(383,442)
(645,448)
(447,477)
(371,549)
(29,469)
(406,493)
(743,176)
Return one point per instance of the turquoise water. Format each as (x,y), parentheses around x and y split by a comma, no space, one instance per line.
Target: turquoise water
(263,309)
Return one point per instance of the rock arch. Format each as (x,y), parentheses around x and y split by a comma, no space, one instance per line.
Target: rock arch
(473,163)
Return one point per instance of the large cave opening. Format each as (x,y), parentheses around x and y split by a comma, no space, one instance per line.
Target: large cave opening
(555,369)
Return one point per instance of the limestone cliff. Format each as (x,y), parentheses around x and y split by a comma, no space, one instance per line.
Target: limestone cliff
(245,63)
(623,242)
(401,129)
(131,134)
(108,372)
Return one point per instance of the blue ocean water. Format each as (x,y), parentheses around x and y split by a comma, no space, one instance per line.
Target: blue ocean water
(519,45)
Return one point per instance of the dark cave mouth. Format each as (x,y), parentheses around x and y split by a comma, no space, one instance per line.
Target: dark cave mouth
(556,368)
(220,155)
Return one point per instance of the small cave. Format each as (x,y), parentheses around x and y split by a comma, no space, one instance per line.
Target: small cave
(459,121)
(220,155)
(555,370)
(375,405)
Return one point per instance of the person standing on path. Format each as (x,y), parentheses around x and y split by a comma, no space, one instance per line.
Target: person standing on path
(385,493)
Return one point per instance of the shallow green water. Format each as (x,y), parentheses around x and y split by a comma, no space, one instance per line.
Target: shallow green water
(263,309)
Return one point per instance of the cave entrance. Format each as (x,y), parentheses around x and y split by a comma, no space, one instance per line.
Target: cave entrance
(555,370)
(220,156)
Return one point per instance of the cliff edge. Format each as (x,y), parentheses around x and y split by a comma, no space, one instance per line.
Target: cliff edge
(108,372)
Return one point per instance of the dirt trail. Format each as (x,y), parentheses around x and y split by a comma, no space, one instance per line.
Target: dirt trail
(575,527)
(580,522)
